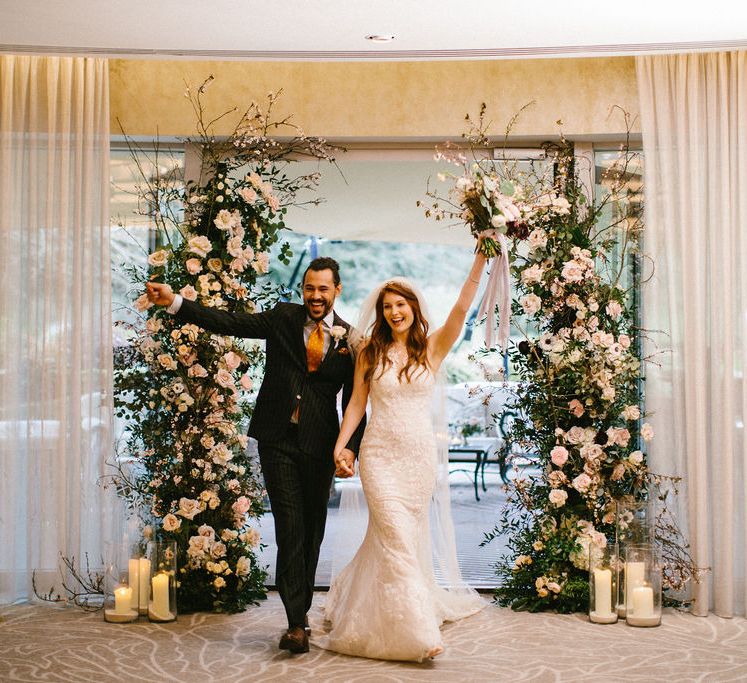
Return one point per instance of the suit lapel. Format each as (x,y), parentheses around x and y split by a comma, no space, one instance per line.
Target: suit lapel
(337,321)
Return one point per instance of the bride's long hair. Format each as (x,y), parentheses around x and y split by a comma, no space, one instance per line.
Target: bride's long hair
(375,350)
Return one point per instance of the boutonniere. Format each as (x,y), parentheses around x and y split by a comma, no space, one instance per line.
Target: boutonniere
(338,333)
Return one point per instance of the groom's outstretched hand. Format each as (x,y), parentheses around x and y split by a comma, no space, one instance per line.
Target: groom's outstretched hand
(159,294)
(345,463)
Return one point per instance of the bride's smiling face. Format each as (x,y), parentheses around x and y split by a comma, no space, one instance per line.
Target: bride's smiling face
(397,312)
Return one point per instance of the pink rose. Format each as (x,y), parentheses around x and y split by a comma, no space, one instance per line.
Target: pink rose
(193,265)
(576,407)
(224,378)
(559,456)
(232,360)
(188,292)
(246,382)
(614,309)
(241,506)
(581,482)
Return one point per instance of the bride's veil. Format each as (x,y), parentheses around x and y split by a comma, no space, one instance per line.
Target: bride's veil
(439,546)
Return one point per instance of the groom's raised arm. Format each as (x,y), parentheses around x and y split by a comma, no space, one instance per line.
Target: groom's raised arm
(250,325)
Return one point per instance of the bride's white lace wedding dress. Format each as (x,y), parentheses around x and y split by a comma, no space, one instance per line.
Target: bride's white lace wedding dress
(386,604)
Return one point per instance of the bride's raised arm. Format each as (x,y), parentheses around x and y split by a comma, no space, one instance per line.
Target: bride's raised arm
(441,341)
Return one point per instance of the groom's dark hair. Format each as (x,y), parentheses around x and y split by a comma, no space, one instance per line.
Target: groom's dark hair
(324,263)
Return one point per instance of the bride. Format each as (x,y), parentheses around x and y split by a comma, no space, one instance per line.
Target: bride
(386,603)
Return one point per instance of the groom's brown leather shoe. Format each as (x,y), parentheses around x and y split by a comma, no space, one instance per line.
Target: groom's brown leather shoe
(295,640)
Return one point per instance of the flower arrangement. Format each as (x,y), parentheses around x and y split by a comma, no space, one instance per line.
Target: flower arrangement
(467,427)
(580,372)
(184,392)
(491,201)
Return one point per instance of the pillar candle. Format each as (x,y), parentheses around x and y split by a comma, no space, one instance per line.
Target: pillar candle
(134,577)
(143,576)
(603,591)
(122,600)
(634,573)
(160,606)
(643,601)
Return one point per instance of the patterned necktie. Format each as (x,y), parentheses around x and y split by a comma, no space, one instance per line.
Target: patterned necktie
(315,349)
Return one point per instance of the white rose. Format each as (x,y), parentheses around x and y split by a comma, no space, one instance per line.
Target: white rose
(636,457)
(498,221)
(537,238)
(243,566)
(531,274)
(199,245)
(531,303)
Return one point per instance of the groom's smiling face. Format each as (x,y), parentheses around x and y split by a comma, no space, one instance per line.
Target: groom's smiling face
(319,292)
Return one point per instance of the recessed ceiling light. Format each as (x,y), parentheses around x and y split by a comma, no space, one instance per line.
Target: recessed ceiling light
(381,38)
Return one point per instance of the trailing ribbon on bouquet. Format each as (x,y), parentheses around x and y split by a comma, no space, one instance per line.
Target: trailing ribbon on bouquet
(498,291)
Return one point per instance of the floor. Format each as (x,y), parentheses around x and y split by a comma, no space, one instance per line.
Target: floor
(47,643)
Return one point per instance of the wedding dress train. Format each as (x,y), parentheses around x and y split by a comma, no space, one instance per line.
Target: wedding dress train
(386,603)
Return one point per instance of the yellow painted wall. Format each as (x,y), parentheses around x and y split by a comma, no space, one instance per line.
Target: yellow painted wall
(384,99)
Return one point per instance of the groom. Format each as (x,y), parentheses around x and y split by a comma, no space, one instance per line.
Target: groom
(295,420)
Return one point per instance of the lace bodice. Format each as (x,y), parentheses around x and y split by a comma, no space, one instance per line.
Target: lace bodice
(399,407)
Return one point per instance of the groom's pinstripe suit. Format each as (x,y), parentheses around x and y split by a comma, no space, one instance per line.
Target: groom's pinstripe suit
(296,459)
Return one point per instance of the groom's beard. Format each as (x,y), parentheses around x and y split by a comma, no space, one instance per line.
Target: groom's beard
(325,308)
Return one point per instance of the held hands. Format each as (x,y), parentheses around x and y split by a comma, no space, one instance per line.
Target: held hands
(344,463)
(159,294)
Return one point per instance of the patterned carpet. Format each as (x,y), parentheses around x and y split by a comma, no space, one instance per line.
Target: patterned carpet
(43,643)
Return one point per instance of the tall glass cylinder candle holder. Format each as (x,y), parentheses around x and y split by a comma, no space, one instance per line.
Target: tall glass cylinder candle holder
(634,521)
(644,600)
(162,593)
(602,583)
(634,526)
(118,589)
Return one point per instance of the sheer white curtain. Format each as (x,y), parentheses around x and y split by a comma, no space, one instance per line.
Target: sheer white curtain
(694,120)
(55,316)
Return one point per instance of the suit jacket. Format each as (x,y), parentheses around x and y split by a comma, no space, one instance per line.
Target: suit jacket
(287,382)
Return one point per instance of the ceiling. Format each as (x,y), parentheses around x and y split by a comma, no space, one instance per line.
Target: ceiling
(335,29)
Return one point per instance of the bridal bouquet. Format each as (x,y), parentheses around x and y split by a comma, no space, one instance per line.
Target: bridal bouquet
(500,204)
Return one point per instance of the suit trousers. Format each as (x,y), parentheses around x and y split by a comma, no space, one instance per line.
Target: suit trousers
(298,486)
